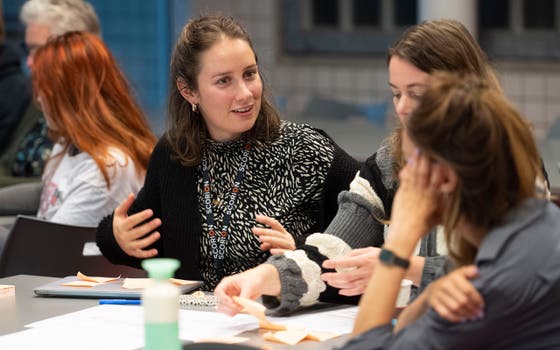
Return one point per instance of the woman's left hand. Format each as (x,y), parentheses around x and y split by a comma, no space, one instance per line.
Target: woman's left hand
(276,238)
(454,297)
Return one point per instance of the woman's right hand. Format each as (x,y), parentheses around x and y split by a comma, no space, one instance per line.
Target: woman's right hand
(454,297)
(251,284)
(130,233)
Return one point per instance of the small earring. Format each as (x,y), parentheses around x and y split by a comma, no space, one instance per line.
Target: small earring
(194,107)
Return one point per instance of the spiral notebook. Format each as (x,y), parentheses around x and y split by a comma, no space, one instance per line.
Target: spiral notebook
(198,301)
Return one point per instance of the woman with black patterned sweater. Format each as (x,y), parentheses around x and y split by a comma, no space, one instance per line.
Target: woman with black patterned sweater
(226,158)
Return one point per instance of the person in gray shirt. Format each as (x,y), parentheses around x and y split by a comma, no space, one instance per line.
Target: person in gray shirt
(472,165)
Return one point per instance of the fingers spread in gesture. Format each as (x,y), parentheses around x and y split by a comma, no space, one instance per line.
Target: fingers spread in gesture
(132,233)
(276,238)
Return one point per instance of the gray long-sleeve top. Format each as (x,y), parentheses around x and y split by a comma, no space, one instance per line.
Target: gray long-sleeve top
(519,269)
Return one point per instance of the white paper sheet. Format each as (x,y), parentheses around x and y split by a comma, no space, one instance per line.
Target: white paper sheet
(122,327)
(338,321)
(74,338)
(108,324)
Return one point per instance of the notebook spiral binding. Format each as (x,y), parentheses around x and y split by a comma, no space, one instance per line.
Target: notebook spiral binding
(198,302)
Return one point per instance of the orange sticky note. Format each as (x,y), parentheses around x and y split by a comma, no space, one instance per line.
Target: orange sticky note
(88,281)
(180,282)
(257,310)
(81,284)
(83,277)
(7,290)
(290,337)
(320,336)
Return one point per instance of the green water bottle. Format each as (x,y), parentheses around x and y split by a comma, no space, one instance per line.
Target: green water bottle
(161,306)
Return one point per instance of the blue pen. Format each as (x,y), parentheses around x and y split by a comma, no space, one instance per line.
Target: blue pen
(119,302)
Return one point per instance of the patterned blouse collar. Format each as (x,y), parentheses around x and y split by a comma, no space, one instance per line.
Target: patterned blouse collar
(225,147)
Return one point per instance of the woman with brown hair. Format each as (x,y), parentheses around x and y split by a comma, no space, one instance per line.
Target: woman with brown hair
(471,166)
(226,158)
(103,141)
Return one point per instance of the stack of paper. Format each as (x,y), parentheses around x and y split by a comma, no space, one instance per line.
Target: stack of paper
(294,329)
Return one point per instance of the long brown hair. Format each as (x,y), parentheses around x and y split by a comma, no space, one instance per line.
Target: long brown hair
(86,97)
(471,126)
(440,45)
(187,132)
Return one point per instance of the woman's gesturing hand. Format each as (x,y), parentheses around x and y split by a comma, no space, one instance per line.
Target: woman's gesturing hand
(131,232)
(276,238)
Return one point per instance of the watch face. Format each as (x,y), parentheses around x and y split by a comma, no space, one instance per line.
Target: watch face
(387,257)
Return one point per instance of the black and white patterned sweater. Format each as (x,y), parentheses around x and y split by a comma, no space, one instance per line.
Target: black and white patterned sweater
(295,179)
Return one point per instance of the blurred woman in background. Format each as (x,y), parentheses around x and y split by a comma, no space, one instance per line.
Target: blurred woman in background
(103,141)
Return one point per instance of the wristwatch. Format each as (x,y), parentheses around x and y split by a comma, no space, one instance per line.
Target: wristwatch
(389,258)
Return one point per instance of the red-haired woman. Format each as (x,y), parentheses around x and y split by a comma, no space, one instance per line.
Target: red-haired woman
(103,141)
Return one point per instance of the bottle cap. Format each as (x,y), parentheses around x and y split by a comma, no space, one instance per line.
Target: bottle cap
(160,268)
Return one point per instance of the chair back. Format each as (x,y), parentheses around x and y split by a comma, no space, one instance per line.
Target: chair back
(39,247)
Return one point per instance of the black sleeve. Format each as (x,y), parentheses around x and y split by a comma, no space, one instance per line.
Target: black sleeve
(370,171)
(340,175)
(147,198)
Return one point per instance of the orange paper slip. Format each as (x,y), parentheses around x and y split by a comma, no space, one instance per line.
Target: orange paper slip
(87,281)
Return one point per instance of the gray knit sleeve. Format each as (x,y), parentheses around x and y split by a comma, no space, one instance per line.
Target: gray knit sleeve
(300,272)
(437,263)
(293,286)
(434,268)
(356,221)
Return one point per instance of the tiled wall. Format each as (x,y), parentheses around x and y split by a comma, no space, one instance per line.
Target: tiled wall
(138,34)
(534,87)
